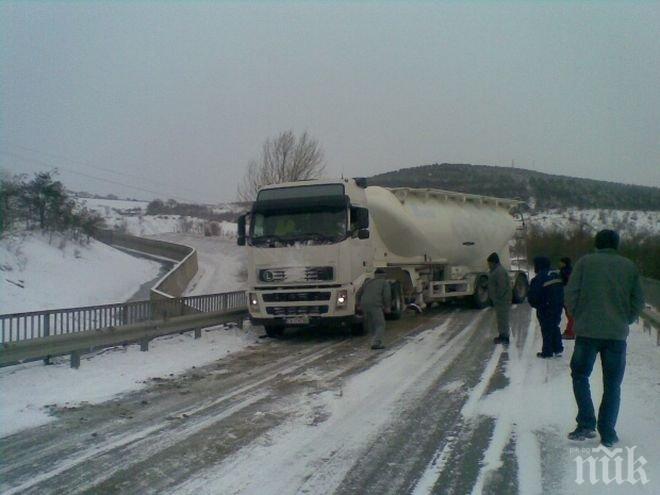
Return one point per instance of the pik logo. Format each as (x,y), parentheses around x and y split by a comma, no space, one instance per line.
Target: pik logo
(603,465)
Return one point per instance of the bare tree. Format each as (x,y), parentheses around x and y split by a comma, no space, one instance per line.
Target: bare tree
(283,159)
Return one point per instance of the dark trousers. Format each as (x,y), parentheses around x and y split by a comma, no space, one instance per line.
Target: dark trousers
(613,360)
(551,334)
(374,321)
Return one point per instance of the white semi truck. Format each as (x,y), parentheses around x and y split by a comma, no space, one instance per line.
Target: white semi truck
(312,244)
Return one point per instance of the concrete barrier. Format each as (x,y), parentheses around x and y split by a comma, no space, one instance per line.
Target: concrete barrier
(174,283)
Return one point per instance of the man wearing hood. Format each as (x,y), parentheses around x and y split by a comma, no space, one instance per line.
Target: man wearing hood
(546,295)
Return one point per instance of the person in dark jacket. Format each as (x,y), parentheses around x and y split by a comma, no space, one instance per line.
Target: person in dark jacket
(604,295)
(375,301)
(546,295)
(565,269)
(499,291)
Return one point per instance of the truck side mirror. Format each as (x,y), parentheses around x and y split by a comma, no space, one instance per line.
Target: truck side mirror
(241,231)
(362,217)
(363,234)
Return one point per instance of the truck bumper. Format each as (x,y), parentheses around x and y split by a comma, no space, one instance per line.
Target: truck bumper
(302,307)
(330,321)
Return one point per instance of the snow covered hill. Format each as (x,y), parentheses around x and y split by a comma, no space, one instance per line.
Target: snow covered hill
(627,222)
(39,272)
(131,217)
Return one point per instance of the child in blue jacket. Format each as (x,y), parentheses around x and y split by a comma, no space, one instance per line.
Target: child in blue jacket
(546,295)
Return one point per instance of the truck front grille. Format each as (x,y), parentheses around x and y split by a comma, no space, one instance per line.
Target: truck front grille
(297,274)
(296,310)
(296,296)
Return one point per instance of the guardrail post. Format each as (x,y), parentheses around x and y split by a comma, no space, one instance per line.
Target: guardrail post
(75,360)
(47,324)
(198,333)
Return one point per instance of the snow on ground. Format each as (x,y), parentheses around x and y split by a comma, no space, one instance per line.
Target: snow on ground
(345,433)
(538,408)
(106,207)
(130,217)
(43,273)
(29,390)
(221,263)
(627,222)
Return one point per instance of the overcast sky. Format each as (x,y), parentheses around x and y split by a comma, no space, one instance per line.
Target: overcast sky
(177,97)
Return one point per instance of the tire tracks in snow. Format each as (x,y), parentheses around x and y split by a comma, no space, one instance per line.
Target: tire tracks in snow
(73,451)
(69,457)
(315,458)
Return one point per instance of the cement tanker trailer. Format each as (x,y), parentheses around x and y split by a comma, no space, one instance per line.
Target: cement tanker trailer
(312,244)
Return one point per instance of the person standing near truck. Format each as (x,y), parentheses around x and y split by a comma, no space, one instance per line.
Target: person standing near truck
(375,301)
(499,291)
(546,295)
(604,295)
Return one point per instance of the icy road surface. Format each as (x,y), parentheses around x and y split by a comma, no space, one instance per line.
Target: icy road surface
(441,410)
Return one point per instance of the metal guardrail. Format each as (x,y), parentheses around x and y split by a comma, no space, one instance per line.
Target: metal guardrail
(79,343)
(34,325)
(650,320)
(174,283)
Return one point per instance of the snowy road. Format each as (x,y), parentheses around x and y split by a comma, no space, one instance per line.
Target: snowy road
(220,262)
(439,411)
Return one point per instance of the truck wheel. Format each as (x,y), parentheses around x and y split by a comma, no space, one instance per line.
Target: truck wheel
(273,331)
(480,297)
(520,288)
(396,309)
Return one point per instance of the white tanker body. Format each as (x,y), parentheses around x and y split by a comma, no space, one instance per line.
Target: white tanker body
(311,246)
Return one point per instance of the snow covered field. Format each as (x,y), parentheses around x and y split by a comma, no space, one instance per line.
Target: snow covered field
(131,217)
(42,273)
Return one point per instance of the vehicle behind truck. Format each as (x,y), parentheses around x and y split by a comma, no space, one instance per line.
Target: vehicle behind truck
(311,246)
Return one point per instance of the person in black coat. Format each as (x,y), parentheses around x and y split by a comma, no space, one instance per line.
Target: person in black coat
(546,295)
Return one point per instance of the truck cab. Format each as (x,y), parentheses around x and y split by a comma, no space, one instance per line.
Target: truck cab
(309,251)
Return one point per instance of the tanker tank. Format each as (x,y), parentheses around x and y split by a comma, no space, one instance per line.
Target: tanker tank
(440,226)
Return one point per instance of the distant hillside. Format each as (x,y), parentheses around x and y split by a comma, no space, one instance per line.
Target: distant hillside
(548,191)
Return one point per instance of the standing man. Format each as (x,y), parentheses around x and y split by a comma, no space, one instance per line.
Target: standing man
(546,295)
(499,291)
(376,300)
(604,295)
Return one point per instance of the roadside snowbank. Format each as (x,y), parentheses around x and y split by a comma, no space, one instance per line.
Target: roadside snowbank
(38,274)
(28,389)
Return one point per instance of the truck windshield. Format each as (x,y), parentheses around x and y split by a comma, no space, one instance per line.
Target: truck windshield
(319,226)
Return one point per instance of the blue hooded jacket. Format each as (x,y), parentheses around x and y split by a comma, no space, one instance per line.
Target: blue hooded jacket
(546,292)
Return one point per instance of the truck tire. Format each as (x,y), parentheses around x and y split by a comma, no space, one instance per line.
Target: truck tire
(274,331)
(480,297)
(520,289)
(398,305)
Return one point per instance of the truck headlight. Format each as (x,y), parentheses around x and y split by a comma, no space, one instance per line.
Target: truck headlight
(342,298)
(253,301)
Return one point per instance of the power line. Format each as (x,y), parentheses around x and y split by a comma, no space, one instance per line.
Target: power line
(50,165)
(89,165)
